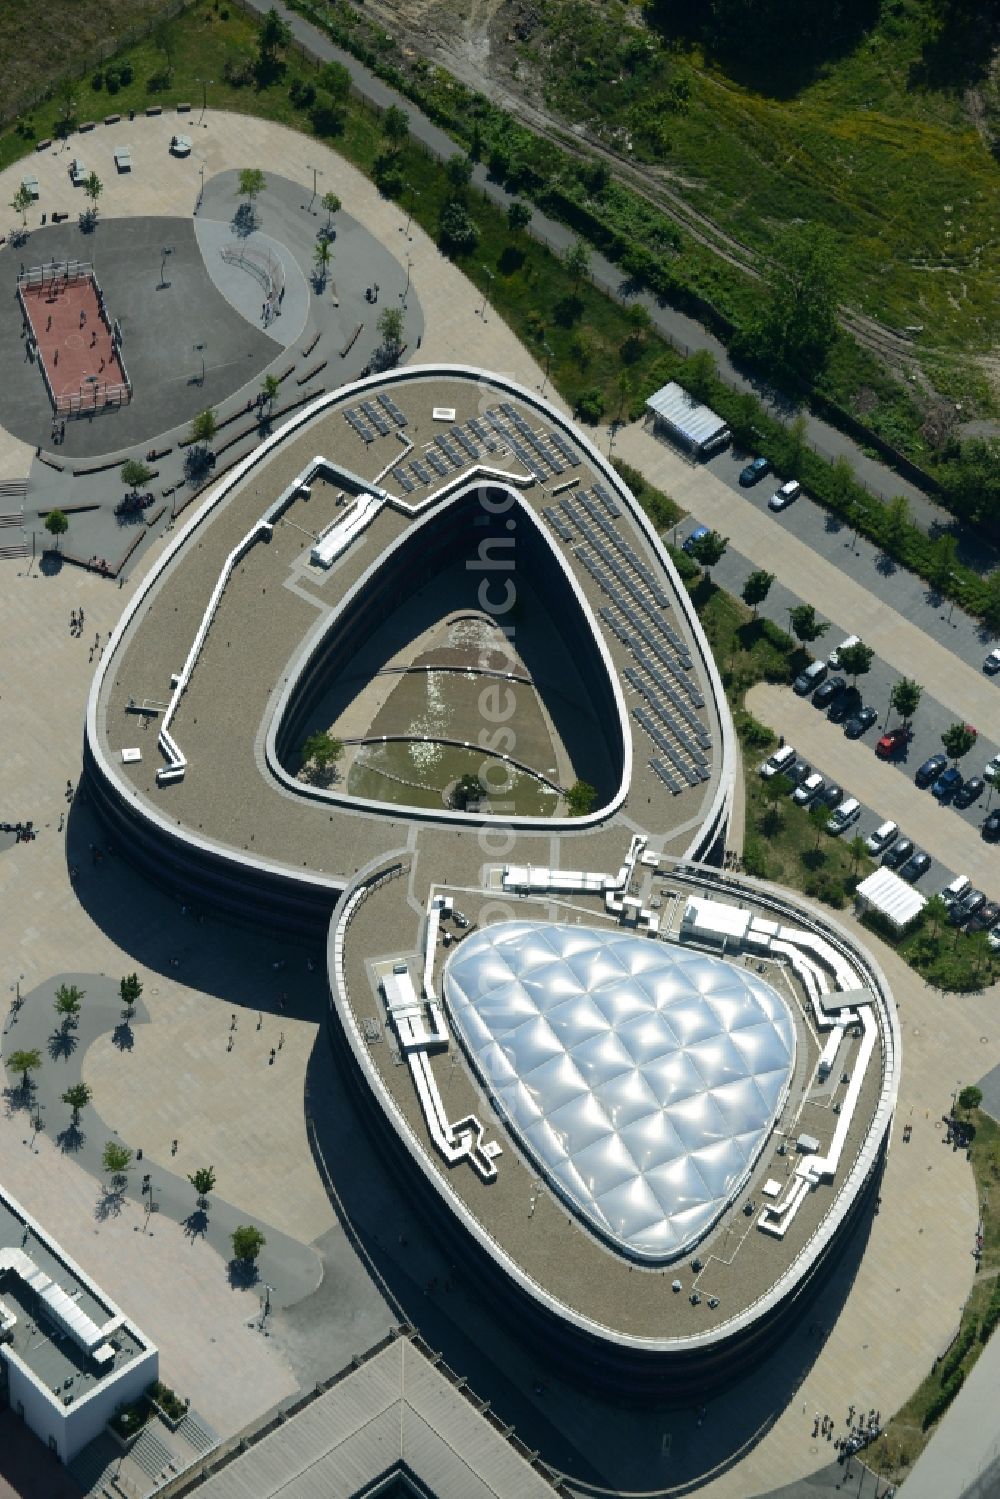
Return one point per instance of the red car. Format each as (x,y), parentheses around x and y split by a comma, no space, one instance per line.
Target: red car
(890,744)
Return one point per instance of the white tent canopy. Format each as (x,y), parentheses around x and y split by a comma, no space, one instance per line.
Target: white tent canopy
(891,897)
(695,425)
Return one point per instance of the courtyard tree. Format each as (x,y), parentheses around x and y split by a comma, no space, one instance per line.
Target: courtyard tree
(135,473)
(395,126)
(129,990)
(21,202)
(247,1242)
(203,1181)
(320,752)
(25,1062)
(390,325)
(708,549)
(958,739)
(580,798)
(332,205)
(77,1096)
(56,524)
(805,626)
(67,1004)
(468,788)
(970,1098)
(204,426)
(322,256)
(251,184)
(116,1158)
(756,589)
(905,698)
(856,660)
(93,187)
(270,386)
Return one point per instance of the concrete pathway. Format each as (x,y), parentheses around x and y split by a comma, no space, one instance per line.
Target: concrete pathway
(963,1458)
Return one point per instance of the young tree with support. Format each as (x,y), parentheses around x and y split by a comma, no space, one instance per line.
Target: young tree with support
(905,698)
(247,1242)
(390,325)
(67,1002)
(135,473)
(129,989)
(77,1096)
(56,524)
(320,753)
(116,1158)
(251,184)
(21,202)
(203,1181)
(331,204)
(25,1062)
(756,589)
(270,386)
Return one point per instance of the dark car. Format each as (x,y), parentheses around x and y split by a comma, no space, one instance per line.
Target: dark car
(962,910)
(860,723)
(842,707)
(696,535)
(827,691)
(991,827)
(967,794)
(831,796)
(986,917)
(755,469)
(893,743)
(947,783)
(916,865)
(898,853)
(797,773)
(930,770)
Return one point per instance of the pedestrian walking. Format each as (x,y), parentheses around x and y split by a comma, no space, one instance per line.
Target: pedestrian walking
(48,325)
(62,819)
(281,1040)
(230,1046)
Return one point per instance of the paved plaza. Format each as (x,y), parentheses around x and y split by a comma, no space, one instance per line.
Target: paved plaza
(889,1310)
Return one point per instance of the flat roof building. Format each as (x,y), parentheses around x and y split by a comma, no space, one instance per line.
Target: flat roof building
(686,420)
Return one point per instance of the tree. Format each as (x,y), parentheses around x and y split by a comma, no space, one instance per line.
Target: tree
(270,385)
(458,170)
(335,80)
(457,229)
(580,798)
(390,325)
(203,1181)
(273,36)
(857,851)
(934,913)
(518,216)
(468,788)
(699,374)
(944,556)
(905,698)
(321,751)
(331,204)
(77,1097)
(624,393)
(756,589)
(67,1003)
(56,524)
(93,187)
(129,990)
(895,520)
(805,626)
(135,473)
(819,815)
(577,260)
(21,202)
(708,549)
(395,126)
(970,1098)
(856,660)
(252,182)
(165,41)
(247,1243)
(116,1159)
(322,256)
(204,426)
(959,739)
(25,1062)
(799,322)
(775,789)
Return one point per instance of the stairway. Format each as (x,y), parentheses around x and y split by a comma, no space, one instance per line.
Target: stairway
(95,1465)
(197,1433)
(153,1456)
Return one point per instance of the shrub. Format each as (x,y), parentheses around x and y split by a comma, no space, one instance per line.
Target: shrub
(590,405)
(943,1399)
(329,118)
(97,81)
(754,734)
(953,1360)
(754,859)
(158,83)
(457,231)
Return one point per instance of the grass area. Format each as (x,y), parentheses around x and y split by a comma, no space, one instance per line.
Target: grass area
(906,1435)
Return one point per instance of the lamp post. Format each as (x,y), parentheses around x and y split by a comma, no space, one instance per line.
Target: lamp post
(548,360)
(317,172)
(204,97)
(491,277)
(952,577)
(409,217)
(200,349)
(167,250)
(406,288)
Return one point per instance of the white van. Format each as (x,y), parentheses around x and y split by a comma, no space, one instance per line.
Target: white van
(780,761)
(833,659)
(876,843)
(955,891)
(843,816)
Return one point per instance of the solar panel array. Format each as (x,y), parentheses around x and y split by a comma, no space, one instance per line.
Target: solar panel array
(390,406)
(662,670)
(359,424)
(376,418)
(523,437)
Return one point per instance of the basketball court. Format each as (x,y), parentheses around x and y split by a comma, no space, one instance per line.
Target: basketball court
(77,344)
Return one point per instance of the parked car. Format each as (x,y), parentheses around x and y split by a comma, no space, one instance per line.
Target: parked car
(785,495)
(898,853)
(798,772)
(755,470)
(955,890)
(810,678)
(947,783)
(842,707)
(844,816)
(876,843)
(696,535)
(808,789)
(930,770)
(972,901)
(860,723)
(994,939)
(915,867)
(833,659)
(828,690)
(991,827)
(992,663)
(986,917)
(779,762)
(892,743)
(831,796)
(992,771)
(967,794)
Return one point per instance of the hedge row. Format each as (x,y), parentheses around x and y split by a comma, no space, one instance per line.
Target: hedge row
(943,1399)
(960,1348)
